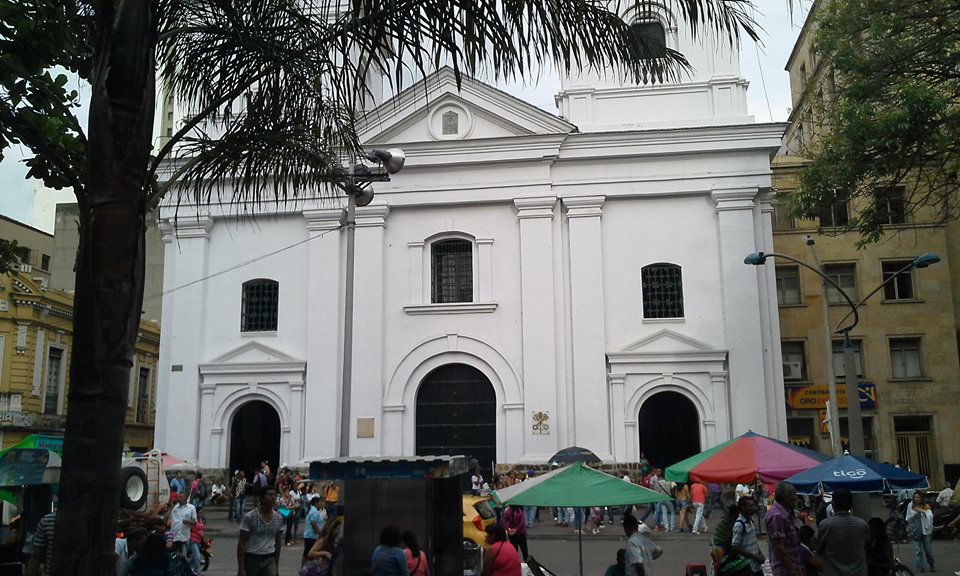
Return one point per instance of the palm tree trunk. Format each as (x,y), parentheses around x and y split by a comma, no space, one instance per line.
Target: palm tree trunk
(109,286)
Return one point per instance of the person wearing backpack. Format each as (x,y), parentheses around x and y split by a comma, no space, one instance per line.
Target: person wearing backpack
(198,492)
(744,538)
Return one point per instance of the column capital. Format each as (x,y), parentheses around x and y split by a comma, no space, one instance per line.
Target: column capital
(617,379)
(321,219)
(584,206)
(374,216)
(166,230)
(765,198)
(193,226)
(734,198)
(537,207)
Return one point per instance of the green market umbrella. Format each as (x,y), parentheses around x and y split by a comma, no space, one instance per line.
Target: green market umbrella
(578,486)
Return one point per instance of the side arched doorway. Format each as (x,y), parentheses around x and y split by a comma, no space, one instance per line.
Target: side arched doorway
(456,414)
(254,437)
(669,428)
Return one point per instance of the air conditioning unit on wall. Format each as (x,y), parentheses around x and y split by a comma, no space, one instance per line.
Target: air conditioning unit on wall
(793,370)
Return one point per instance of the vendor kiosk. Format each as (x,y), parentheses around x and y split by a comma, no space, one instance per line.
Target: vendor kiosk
(420,494)
(28,479)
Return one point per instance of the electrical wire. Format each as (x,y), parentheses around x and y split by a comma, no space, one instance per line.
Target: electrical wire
(242,264)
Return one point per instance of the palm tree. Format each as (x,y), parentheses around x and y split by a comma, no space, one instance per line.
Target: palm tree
(275,88)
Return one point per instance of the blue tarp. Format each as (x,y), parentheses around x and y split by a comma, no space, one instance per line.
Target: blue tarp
(857,475)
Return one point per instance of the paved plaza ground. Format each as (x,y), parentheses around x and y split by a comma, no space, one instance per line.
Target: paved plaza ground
(556,548)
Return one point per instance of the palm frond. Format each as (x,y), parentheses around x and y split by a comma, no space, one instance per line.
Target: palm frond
(274,87)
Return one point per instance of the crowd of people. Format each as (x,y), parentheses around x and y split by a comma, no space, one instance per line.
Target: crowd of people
(831,542)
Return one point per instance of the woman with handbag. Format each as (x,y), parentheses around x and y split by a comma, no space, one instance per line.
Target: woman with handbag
(287,509)
(920,530)
(319,561)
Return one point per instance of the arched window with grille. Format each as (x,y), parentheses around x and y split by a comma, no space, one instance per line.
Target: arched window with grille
(451,271)
(651,33)
(259,309)
(662,291)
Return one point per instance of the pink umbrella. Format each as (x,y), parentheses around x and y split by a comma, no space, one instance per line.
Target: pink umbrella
(745,459)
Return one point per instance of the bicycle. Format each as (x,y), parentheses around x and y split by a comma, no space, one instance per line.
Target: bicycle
(899,568)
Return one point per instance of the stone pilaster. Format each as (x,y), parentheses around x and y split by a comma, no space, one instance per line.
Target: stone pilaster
(590,405)
(321,393)
(741,308)
(367,391)
(186,249)
(540,385)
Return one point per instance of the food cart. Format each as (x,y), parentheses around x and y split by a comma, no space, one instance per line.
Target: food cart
(420,494)
(28,478)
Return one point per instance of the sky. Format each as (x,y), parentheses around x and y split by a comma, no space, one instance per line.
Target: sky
(768,100)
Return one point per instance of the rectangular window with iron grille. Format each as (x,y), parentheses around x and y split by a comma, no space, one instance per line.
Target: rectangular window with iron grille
(51,397)
(662,291)
(451,271)
(261,298)
(143,395)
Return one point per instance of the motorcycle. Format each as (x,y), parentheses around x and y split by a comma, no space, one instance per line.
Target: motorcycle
(206,551)
(942,517)
(897,521)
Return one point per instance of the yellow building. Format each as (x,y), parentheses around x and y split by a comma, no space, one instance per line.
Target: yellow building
(35,338)
(906,340)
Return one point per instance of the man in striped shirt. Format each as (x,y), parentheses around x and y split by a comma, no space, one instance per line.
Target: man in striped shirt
(42,546)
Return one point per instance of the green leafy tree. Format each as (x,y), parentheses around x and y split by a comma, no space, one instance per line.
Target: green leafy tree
(275,87)
(9,256)
(892,118)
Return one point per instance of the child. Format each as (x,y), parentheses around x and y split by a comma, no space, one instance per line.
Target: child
(196,537)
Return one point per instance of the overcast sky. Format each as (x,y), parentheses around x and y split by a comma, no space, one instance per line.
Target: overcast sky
(768,97)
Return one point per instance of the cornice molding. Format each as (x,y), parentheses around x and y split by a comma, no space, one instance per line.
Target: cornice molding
(372,216)
(584,206)
(535,207)
(323,219)
(734,198)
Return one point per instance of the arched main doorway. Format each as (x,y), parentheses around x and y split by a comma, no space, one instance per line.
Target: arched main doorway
(255,437)
(457,414)
(669,428)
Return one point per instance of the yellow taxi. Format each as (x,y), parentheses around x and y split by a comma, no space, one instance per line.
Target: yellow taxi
(477,515)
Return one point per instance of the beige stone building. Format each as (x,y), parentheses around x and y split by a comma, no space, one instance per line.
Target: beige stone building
(34,246)
(36,326)
(906,339)
(67,240)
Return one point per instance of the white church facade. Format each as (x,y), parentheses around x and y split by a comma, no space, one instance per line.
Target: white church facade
(528,282)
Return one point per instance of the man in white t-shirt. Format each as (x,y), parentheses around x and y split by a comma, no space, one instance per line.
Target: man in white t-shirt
(742,490)
(261,534)
(641,550)
(182,517)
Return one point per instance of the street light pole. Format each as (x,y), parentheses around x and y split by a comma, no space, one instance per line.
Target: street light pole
(347,370)
(833,409)
(854,423)
(357,185)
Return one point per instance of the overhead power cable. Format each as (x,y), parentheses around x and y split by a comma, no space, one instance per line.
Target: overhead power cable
(242,264)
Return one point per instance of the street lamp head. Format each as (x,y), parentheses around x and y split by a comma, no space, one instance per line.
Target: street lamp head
(756,259)
(924,260)
(392,160)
